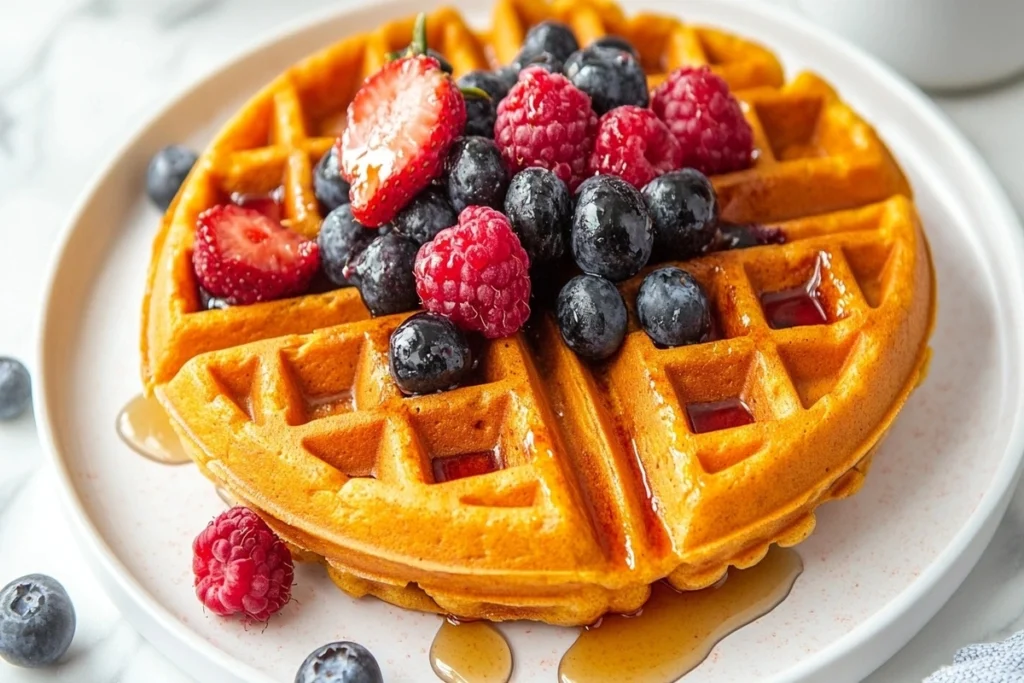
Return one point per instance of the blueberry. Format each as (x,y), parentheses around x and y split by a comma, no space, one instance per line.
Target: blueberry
(481,113)
(611,77)
(342,238)
(509,76)
(540,208)
(552,37)
(591,317)
(618,43)
(341,662)
(543,60)
(37,621)
(428,354)
(383,273)
(684,209)
(15,389)
(735,236)
(476,174)
(494,83)
(611,231)
(446,66)
(209,302)
(673,308)
(426,215)
(330,188)
(167,171)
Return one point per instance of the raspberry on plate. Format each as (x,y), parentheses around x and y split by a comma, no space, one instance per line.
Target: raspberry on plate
(241,566)
(546,121)
(706,120)
(242,256)
(477,274)
(635,145)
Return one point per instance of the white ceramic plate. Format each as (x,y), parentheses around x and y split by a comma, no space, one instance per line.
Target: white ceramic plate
(877,568)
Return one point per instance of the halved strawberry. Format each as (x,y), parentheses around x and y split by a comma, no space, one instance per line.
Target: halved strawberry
(243,256)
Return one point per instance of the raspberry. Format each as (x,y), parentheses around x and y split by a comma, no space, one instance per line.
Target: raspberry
(476,273)
(635,145)
(546,121)
(241,567)
(706,120)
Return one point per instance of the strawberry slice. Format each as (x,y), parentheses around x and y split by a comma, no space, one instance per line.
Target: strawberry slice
(243,256)
(400,126)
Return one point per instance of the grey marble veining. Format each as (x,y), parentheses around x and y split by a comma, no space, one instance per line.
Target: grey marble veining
(75,76)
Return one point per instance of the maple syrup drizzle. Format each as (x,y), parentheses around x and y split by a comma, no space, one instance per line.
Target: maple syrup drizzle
(144,426)
(464,465)
(470,652)
(715,415)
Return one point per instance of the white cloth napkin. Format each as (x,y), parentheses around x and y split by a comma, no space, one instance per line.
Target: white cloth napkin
(1001,662)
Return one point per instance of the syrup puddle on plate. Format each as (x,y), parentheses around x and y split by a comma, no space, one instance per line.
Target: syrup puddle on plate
(470,652)
(144,426)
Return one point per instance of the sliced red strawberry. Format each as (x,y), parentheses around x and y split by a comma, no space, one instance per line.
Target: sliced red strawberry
(400,126)
(243,256)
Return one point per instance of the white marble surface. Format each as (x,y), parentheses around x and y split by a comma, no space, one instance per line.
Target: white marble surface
(75,77)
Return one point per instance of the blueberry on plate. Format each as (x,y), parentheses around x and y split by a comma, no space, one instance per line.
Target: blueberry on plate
(426,215)
(167,171)
(612,234)
(552,37)
(383,273)
(494,83)
(476,174)
(428,354)
(673,308)
(618,43)
(481,113)
(330,188)
(684,209)
(342,238)
(15,389)
(37,621)
(539,206)
(591,317)
(341,662)
(611,77)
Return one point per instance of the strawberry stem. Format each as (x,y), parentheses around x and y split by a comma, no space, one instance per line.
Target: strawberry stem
(419,35)
(474,93)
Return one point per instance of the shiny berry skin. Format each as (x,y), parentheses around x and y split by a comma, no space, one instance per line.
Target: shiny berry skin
(507,76)
(546,121)
(539,207)
(612,235)
(428,354)
(241,567)
(383,273)
(552,37)
(425,216)
(342,238)
(673,308)
(493,83)
(737,236)
(541,60)
(481,113)
(15,389)
(684,208)
(330,188)
(37,621)
(591,317)
(477,274)
(476,174)
(611,77)
(635,145)
(618,43)
(706,119)
(341,662)
(166,172)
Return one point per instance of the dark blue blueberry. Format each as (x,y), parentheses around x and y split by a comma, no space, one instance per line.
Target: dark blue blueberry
(543,60)
(540,208)
(383,273)
(673,308)
(446,66)
(167,171)
(611,231)
(428,354)
(548,36)
(426,215)
(476,174)
(330,188)
(342,238)
(495,84)
(611,77)
(684,210)
(37,621)
(509,76)
(618,43)
(209,302)
(735,236)
(481,113)
(341,662)
(15,389)
(591,317)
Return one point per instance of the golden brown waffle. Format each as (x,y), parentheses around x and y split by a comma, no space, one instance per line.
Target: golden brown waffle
(603,487)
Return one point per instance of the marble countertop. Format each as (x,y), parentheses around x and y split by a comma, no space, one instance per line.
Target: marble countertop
(75,76)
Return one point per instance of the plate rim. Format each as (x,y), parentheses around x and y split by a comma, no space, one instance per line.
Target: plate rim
(948,569)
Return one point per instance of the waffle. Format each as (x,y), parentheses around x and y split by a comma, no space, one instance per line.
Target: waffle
(596,484)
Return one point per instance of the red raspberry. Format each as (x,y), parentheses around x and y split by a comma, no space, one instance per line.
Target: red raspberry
(706,120)
(241,566)
(635,145)
(477,274)
(546,121)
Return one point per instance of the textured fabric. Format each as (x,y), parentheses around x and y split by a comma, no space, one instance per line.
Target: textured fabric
(1001,662)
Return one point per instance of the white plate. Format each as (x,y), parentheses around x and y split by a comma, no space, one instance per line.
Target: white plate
(877,568)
